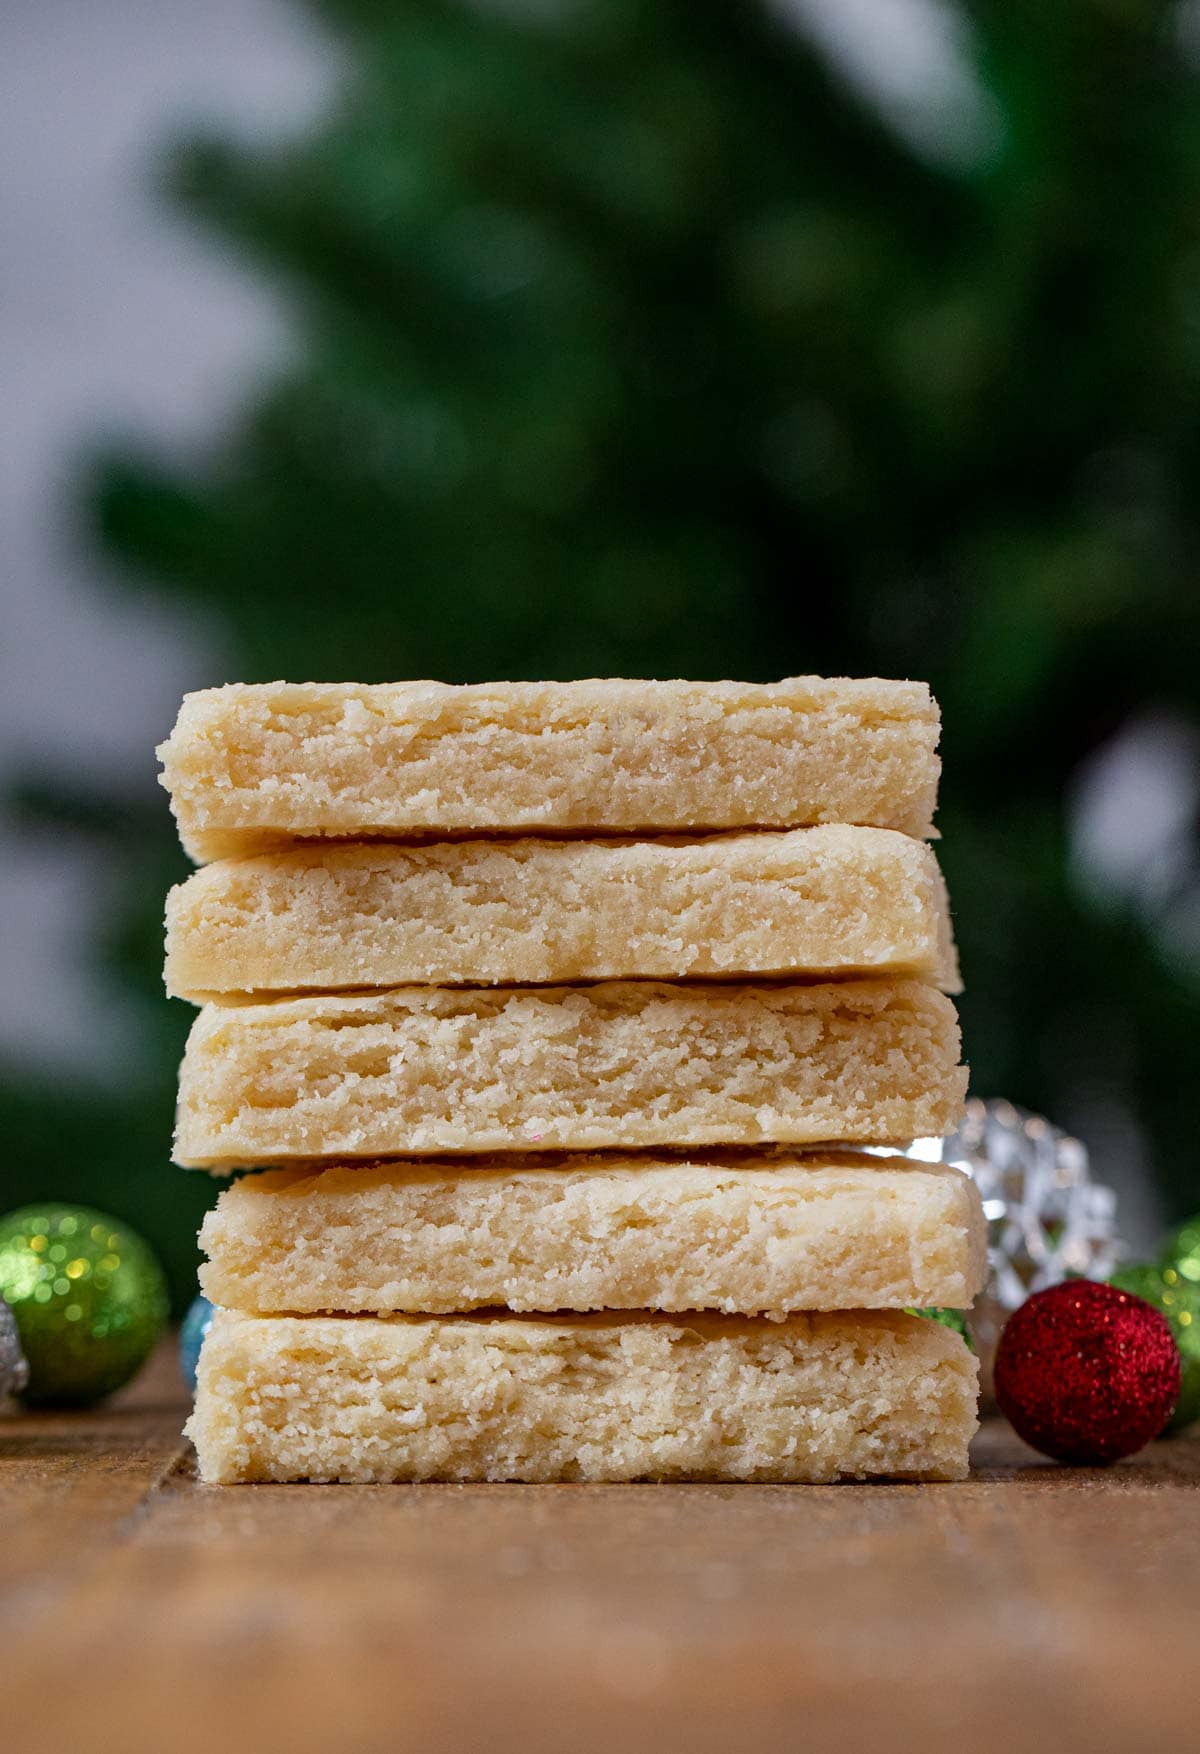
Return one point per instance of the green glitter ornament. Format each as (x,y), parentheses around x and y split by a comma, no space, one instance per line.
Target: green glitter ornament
(1182,1251)
(89,1299)
(947,1318)
(1179,1301)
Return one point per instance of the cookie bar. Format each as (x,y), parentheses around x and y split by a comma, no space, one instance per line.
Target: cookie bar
(764,1234)
(814,1398)
(250,765)
(815,901)
(626,1065)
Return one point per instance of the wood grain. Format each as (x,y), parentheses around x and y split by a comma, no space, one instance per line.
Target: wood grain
(1030,1608)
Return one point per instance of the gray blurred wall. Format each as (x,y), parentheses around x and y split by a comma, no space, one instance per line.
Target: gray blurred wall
(112,316)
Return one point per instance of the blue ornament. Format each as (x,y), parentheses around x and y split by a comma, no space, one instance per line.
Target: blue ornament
(196,1324)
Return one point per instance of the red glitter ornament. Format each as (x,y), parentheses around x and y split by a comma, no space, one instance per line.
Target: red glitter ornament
(1087,1373)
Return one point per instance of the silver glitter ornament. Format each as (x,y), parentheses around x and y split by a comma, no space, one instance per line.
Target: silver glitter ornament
(1047,1219)
(14,1372)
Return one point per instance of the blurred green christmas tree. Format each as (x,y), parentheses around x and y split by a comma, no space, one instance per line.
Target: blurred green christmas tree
(635,342)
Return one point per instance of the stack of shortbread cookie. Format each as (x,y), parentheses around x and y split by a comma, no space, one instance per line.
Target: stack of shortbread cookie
(550,1015)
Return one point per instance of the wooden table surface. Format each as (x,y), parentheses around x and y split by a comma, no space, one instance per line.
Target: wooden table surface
(1030,1608)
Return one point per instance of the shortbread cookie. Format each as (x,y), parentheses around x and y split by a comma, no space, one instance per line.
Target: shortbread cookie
(760,1235)
(625,1065)
(249,766)
(817,901)
(381,1398)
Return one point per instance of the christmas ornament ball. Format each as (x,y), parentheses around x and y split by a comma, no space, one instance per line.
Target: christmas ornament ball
(14,1372)
(88,1296)
(1087,1373)
(947,1318)
(196,1324)
(1179,1301)
(1182,1252)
